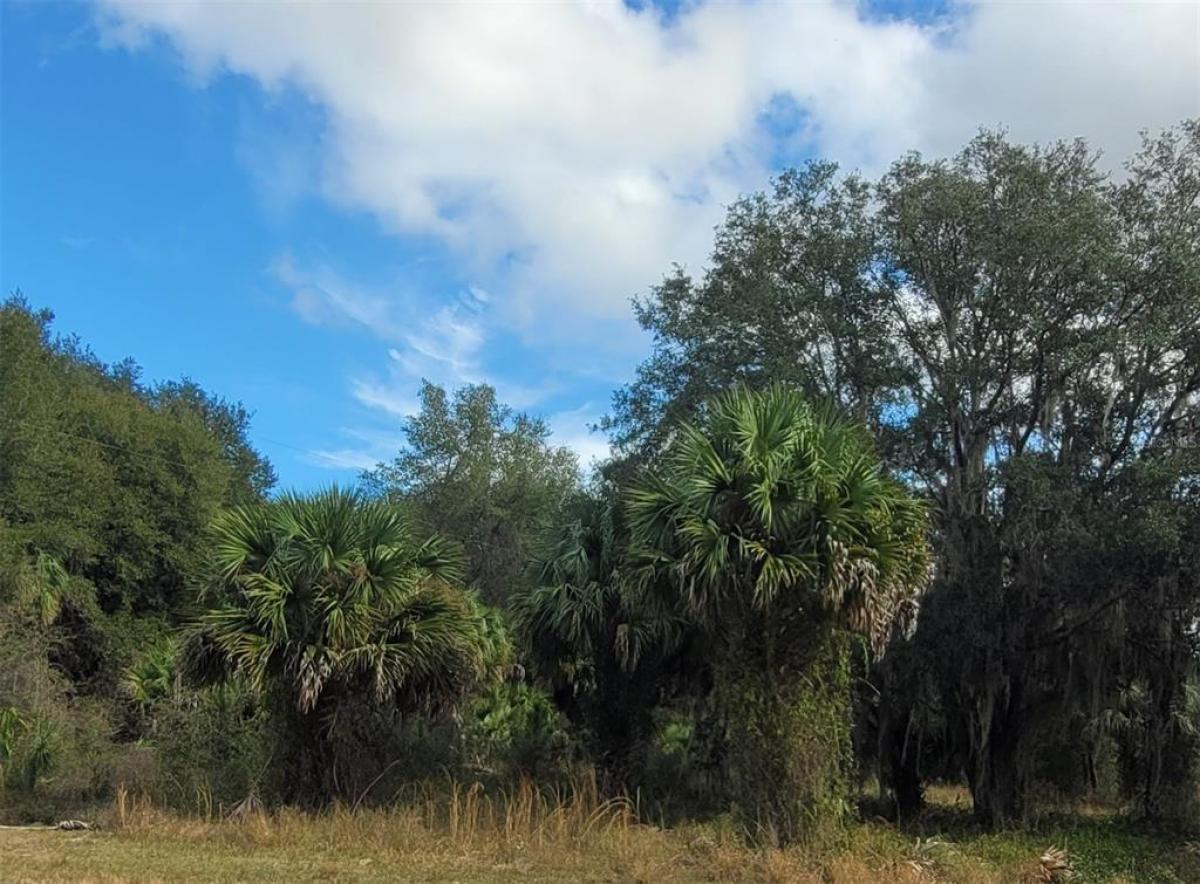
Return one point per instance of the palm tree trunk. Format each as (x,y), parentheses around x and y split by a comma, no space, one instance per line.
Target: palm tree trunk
(623,725)
(788,739)
(899,765)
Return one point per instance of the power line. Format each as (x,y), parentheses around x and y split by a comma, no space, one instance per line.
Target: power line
(114,447)
(135,454)
(284,445)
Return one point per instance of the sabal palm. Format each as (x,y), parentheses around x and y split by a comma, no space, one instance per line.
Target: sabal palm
(331,593)
(772,523)
(152,676)
(770,504)
(606,649)
(583,597)
(44,587)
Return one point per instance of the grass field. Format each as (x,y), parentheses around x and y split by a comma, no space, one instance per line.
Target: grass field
(526,837)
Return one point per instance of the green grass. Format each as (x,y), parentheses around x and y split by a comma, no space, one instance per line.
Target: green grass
(1099,850)
(1102,845)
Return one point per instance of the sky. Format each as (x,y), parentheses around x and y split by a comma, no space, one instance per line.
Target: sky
(310,207)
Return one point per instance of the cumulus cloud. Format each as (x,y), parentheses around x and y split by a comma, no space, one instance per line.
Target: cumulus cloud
(577,148)
(568,153)
(1099,70)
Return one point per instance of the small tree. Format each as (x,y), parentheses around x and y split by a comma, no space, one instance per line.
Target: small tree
(328,601)
(777,527)
(474,471)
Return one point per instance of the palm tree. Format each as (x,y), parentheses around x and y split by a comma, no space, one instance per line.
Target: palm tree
(328,600)
(606,650)
(777,528)
(44,587)
(150,679)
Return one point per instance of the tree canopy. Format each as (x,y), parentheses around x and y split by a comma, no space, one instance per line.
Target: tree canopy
(1023,335)
(114,479)
(772,524)
(330,598)
(474,471)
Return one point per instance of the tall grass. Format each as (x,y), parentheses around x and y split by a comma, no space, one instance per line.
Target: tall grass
(525,814)
(525,831)
(518,832)
(523,817)
(454,831)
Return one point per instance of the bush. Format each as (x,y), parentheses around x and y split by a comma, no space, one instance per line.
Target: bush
(213,747)
(682,778)
(56,749)
(30,746)
(514,730)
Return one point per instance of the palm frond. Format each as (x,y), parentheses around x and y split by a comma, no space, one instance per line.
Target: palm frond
(769,501)
(326,589)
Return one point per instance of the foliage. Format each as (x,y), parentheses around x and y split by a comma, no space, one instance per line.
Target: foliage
(609,653)
(330,599)
(773,524)
(152,677)
(516,728)
(43,587)
(788,299)
(114,480)
(213,748)
(770,508)
(55,746)
(1021,335)
(475,472)
(229,423)
(30,747)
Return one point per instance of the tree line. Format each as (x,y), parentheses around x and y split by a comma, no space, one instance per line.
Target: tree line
(1022,333)
(907,488)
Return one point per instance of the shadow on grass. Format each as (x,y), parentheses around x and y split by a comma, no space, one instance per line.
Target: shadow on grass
(1103,843)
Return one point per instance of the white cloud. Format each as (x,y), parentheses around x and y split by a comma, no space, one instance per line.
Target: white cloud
(344,459)
(369,449)
(567,153)
(386,398)
(573,429)
(1100,70)
(448,343)
(596,144)
(321,297)
(442,344)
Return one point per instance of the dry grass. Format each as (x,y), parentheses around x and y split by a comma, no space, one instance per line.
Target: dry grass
(457,833)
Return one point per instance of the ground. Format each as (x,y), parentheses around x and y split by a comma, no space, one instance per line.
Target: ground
(523,839)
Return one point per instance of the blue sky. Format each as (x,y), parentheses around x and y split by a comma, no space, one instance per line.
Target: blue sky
(311,208)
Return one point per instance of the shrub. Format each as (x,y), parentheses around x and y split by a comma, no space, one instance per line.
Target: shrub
(213,746)
(515,730)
